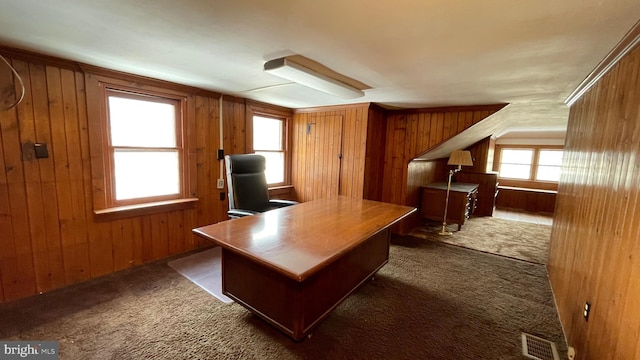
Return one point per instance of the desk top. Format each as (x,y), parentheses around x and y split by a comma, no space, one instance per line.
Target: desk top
(455,186)
(299,240)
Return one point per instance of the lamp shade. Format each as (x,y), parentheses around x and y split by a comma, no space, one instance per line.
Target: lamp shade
(460,157)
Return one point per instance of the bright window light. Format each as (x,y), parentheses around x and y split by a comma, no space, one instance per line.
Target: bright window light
(267,134)
(549,165)
(516,163)
(268,141)
(141,123)
(275,166)
(145,147)
(141,174)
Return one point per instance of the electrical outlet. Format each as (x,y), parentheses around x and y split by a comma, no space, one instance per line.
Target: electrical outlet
(220,183)
(586,311)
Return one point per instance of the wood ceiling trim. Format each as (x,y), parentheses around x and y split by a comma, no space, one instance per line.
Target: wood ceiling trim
(628,43)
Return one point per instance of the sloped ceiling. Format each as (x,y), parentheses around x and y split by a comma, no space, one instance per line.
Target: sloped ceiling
(413,53)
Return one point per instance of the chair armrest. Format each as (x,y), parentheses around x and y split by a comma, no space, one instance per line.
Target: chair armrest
(237,213)
(282,203)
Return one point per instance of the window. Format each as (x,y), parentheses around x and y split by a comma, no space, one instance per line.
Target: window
(549,165)
(268,135)
(144,148)
(516,163)
(534,164)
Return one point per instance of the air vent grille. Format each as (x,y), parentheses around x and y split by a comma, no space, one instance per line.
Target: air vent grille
(537,348)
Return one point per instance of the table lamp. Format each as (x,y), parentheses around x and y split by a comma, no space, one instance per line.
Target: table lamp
(460,158)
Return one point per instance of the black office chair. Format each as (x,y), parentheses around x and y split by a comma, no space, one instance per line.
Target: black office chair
(248,192)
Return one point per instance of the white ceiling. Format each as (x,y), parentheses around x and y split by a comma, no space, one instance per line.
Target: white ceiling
(413,53)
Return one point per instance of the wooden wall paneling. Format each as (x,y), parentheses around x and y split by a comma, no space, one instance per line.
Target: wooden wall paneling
(72,117)
(234,126)
(27,274)
(313,152)
(20,273)
(418,174)
(46,212)
(347,163)
(119,253)
(349,176)
(8,261)
(480,155)
(613,278)
(297,154)
(360,151)
(204,165)
(396,129)
(318,171)
(94,98)
(310,153)
(190,146)
(175,232)
(446,126)
(160,236)
(72,258)
(628,338)
(424,139)
(25,116)
(137,240)
(528,200)
(433,133)
(82,180)
(408,137)
(594,247)
(333,131)
(147,238)
(453,125)
(331,154)
(6,242)
(376,135)
(47,181)
(323,155)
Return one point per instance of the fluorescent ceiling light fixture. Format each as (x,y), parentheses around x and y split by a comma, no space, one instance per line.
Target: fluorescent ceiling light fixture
(290,70)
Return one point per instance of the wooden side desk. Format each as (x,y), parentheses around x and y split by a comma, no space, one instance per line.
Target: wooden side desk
(462,202)
(292,266)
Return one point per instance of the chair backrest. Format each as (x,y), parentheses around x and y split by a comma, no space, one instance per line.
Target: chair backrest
(247,182)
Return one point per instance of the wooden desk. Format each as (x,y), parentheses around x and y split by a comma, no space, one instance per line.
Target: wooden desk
(292,266)
(462,202)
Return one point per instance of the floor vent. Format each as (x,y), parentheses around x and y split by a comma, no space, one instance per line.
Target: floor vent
(537,348)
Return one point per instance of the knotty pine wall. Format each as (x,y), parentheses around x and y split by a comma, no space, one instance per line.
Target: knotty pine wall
(595,239)
(48,235)
(411,134)
(532,200)
(319,137)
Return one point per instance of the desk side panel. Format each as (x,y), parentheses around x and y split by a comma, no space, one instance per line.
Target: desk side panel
(294,307)
(327,289)
(263,291)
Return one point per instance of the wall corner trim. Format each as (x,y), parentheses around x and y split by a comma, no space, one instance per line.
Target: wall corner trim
(629,41)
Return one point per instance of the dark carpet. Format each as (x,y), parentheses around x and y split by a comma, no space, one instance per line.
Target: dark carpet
(432,301)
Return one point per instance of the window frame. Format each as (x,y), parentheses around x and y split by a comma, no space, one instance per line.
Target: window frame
(531,182)
(109,149)
(96,82)
(276,113)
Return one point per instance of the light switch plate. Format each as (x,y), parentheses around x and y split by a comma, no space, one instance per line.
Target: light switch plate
(220,184)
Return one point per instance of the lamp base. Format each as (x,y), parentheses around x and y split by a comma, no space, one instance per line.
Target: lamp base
(444,231)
